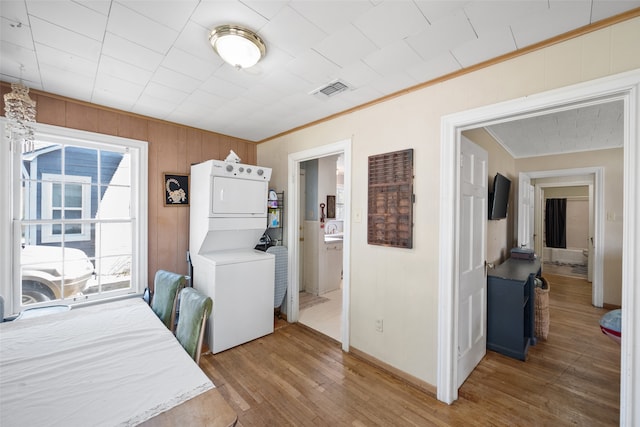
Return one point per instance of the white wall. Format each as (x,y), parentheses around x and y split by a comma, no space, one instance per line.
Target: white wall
(401,286)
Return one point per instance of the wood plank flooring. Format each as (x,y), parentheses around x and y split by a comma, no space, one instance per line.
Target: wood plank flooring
(296,377)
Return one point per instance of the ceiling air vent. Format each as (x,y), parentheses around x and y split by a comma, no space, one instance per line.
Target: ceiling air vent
(330,89)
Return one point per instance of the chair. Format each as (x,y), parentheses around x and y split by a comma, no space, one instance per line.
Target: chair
(195,309)
(166,288)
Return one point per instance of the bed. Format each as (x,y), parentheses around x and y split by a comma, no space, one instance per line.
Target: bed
(111,364)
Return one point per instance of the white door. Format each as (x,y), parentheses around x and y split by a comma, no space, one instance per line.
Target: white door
(472,300)
(525,212)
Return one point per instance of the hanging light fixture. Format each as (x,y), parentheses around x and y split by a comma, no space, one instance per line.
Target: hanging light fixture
(237,45)
(20,110)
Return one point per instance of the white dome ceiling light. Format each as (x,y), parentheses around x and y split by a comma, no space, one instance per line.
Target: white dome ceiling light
(238,46)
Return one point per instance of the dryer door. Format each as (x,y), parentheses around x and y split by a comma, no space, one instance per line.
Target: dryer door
(238,197)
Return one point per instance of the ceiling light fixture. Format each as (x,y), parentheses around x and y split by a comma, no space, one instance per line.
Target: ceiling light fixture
(237,45)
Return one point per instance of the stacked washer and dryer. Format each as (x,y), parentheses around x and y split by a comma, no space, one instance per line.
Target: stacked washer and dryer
(228,215)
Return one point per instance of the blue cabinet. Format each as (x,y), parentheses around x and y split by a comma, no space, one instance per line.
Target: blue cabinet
(511,307)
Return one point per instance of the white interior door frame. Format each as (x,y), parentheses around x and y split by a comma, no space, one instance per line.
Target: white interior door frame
(293,224)
(625,86)
(597,285)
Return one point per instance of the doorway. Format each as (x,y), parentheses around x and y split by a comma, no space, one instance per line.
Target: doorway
(294,224)
(625,87)
(321,249)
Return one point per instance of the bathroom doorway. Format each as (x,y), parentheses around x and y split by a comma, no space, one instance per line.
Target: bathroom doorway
(321,248)
(304,205)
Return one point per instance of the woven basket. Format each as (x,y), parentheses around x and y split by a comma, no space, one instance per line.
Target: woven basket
(542,309)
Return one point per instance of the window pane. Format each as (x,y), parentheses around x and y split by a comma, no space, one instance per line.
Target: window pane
(115,203)
(81,161)
(56,195)
(72,195)
(51,272)
(115,168)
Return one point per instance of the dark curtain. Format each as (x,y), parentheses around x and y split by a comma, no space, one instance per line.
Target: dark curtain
(555,223)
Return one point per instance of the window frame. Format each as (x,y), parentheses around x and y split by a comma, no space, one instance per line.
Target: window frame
(10,218)
(48,180)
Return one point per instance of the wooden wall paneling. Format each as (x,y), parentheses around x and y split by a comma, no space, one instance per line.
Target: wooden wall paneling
(227,144)
(133,127)
(164,137)
(182,238)
(194,147)
(210,146)
(241,151)
(252,153)
(50,111)
(83,117)
(108,122)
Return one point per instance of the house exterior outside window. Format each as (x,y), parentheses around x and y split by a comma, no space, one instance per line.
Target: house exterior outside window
(78,218)
(68,199)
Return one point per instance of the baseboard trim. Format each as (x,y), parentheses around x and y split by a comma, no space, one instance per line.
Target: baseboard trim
(395,372)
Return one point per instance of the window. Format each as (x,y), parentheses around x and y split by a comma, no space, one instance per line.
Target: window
(78,219)
(75,191)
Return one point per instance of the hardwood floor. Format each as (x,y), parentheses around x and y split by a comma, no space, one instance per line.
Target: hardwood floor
(296,377)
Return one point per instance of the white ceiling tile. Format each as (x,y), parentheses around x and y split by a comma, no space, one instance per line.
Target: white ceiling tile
(19,63)
(434,10)
(15,33)
(114,91)
(437,67)
(65,40)
(175,80)
(490,45)
(132,53)
(70,15)
(210,14)
(391,21)
(221,88)
(65,61)
(194,38)
(559,18)
(291,32)
(159,91)
(101,6)
(242,78)
(56,80)
(358,74)
(123,70)
(394,83)
(266,8)
(149,105)
(200,99)
(139,29)
(484,19)
(172,14)
(602,9)
(331,16)
(392,58)
(335,49)
(15,11)
(442,35)
(313,68)
(199,68)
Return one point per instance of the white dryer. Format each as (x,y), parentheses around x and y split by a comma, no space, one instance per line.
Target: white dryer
(228,216)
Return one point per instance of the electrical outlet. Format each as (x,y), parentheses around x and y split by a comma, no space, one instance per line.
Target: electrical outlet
(379,325)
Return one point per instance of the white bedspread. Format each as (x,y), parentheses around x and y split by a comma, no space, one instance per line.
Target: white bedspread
(106,365)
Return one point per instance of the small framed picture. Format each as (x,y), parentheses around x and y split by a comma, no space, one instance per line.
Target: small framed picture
(176,189)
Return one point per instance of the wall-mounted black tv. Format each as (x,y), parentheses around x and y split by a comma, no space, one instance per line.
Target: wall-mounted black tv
(499,198)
